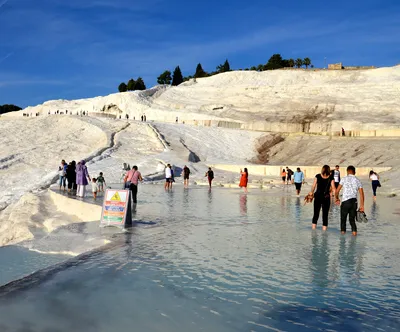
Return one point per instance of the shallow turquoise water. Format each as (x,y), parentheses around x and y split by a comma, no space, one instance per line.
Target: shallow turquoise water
(221,261)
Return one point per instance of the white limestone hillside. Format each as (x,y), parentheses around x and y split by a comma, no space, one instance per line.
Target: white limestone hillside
(357,99)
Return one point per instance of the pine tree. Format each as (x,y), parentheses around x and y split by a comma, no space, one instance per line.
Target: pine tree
(139,84)
(200,72)
(131,85)
(165,78)
(224,67)
(177,77)
(123,87)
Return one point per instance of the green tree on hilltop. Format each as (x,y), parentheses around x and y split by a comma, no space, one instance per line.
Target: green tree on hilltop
(177,78)
(291,63)
(165,78)
(224,67)
(307,62)
(139,84)
(122,87)
(274,62)
(299,63)
(131,85)
(9,108)
(200,72)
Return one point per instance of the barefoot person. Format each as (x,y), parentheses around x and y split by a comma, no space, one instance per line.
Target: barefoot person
(283,175)
(298,180)
(95,188)
(62,171)
(101,182)
(244,179)
(71,176)
(186,174)
(323,183)
(374,177)
(133,177)
(336,176)
(289,174)
(351,187)
(168,177)
(82,176)
(210,176)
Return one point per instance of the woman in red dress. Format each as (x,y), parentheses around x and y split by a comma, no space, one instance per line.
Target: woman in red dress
(244,179)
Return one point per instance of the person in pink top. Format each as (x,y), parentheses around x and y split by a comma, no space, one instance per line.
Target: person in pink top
(133,176)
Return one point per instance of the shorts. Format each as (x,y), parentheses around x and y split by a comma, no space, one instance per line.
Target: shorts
(283,178)
(298,185)
(168,180)
(100,186)
(289,178)
(337,184)
(186,177)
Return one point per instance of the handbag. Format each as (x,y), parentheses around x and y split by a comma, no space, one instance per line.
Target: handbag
(379,184)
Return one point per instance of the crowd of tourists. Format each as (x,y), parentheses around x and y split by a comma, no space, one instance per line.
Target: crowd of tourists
(75,177)
(326,187)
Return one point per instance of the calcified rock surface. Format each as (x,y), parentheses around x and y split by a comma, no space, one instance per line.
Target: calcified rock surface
(33,147)
(357,99)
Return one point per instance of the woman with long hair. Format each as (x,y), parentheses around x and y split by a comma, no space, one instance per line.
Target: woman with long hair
(374,177)
(320,191)
(244,179)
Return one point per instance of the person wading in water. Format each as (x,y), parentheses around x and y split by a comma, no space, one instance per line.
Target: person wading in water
(323,183)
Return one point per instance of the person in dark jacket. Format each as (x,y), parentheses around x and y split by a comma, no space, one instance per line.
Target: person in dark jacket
(71,176)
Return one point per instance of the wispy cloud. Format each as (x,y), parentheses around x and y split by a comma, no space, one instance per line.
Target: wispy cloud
(31,81)
(3,3)
(6,57)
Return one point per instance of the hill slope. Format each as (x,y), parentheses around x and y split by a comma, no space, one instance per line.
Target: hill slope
(359,99)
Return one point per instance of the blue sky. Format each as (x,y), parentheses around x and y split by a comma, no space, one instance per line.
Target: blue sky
(68,49)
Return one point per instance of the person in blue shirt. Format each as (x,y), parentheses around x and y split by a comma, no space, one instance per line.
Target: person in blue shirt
(298,180)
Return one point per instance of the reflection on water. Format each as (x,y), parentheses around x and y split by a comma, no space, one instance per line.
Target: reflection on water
(243,204)
(201,268)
